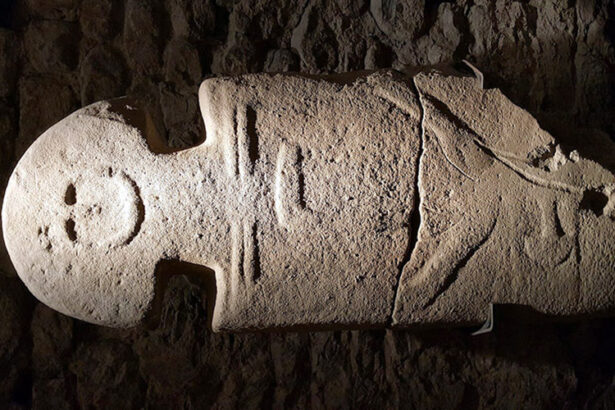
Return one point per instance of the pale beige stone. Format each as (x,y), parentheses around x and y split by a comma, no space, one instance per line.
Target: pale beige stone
(505,216)
(357,200)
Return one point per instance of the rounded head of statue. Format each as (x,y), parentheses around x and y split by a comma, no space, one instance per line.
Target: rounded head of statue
(75,215)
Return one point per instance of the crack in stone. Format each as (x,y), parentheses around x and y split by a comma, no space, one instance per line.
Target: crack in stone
(416,217)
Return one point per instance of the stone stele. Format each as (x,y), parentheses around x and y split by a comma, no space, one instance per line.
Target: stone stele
(368,199)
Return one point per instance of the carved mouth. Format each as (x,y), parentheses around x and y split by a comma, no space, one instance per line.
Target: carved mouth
(140,209)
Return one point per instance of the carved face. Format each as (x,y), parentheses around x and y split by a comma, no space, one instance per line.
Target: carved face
(105,210)
(73,216)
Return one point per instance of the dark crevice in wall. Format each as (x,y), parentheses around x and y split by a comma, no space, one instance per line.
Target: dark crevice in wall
(430,16)
(460,21)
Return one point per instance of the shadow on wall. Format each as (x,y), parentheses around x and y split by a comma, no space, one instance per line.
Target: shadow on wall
(528,338)
(610,24)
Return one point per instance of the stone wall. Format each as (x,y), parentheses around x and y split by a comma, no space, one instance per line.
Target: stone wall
(555,58)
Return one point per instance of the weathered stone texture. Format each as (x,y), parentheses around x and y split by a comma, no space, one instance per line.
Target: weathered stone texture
(102,74)
(381,200)
(42,101)
(51,46)
(9,64)
(553,58)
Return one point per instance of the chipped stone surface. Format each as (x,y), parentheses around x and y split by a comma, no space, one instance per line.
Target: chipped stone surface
(360,200)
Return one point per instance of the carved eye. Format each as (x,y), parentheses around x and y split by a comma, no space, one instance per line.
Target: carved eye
(70,197)
(69,227)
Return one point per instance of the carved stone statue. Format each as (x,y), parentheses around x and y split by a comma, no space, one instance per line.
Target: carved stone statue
(373,199)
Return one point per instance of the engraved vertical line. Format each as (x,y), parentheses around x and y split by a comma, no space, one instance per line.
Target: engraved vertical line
(300,178)
(230,145)
(559,230)
(252,138)
(252,263)
(242,142)
(236,142)
(279,185)
(237,256)
(257,256)
(248,253)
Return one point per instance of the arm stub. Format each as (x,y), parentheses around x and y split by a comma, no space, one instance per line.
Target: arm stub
(368,201)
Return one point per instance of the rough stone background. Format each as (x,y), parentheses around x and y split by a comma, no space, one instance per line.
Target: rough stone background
(555,58)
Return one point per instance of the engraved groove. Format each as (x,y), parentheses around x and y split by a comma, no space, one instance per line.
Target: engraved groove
(235,147)
(454,275)
(237,258)
(451,162)
(278,194)
(252,135)
(300,178)
(401,105)
(140,209)
(458,124)
(559,229)
(534,180)
(255,260)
